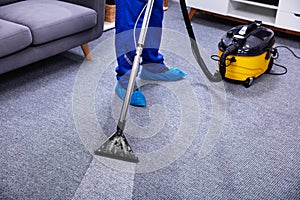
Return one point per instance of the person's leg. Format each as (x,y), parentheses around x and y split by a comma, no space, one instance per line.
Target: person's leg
(127,12)
(154,67)
(152,60)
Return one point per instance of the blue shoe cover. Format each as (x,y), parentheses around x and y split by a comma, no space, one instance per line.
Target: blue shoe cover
(173,74)
(137,98)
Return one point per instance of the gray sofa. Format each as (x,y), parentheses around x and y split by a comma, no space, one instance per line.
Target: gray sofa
(31,30)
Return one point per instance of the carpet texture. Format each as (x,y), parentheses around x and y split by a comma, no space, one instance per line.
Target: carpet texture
(254,153)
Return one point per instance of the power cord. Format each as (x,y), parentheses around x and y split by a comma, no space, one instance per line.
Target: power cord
(134,37)
(136,22)
(275,57)
(282,46)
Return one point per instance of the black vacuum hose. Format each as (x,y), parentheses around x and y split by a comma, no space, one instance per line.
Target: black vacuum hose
(211,77)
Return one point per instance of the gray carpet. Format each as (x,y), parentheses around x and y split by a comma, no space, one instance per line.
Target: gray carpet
(195,140)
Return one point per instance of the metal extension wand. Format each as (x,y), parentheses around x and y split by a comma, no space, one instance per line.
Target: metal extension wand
(117,146)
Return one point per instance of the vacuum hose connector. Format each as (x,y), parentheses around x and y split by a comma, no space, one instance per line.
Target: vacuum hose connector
(229,50)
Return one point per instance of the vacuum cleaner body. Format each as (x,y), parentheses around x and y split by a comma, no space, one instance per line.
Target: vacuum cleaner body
(246,52)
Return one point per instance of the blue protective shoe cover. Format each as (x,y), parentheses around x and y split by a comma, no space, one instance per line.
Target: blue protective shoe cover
(173,74)
(137,98)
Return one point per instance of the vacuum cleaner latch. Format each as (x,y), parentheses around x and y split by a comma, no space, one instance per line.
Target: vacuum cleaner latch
(243,30)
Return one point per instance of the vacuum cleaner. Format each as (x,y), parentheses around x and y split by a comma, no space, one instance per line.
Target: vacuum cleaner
(246,52)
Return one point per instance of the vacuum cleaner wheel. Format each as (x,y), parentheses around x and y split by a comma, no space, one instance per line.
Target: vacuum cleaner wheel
(248,82)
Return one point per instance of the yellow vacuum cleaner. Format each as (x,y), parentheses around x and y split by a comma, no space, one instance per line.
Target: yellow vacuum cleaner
(246,52)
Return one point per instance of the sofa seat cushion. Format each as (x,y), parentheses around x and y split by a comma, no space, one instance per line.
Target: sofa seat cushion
(49,20)
(13,37)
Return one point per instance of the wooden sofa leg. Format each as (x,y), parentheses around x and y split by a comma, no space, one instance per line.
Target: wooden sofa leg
(86,51)
(192,13)
(166,4)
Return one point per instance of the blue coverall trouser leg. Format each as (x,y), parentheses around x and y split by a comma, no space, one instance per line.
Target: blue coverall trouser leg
(127,12)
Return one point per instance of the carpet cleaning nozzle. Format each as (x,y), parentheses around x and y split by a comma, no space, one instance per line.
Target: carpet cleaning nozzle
(117,147)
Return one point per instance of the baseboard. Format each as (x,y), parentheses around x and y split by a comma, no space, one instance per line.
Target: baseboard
(108,26)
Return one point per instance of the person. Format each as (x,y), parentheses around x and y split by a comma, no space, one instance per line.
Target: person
(153,66)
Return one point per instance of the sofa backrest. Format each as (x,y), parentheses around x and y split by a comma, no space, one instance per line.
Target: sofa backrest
(3,2)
